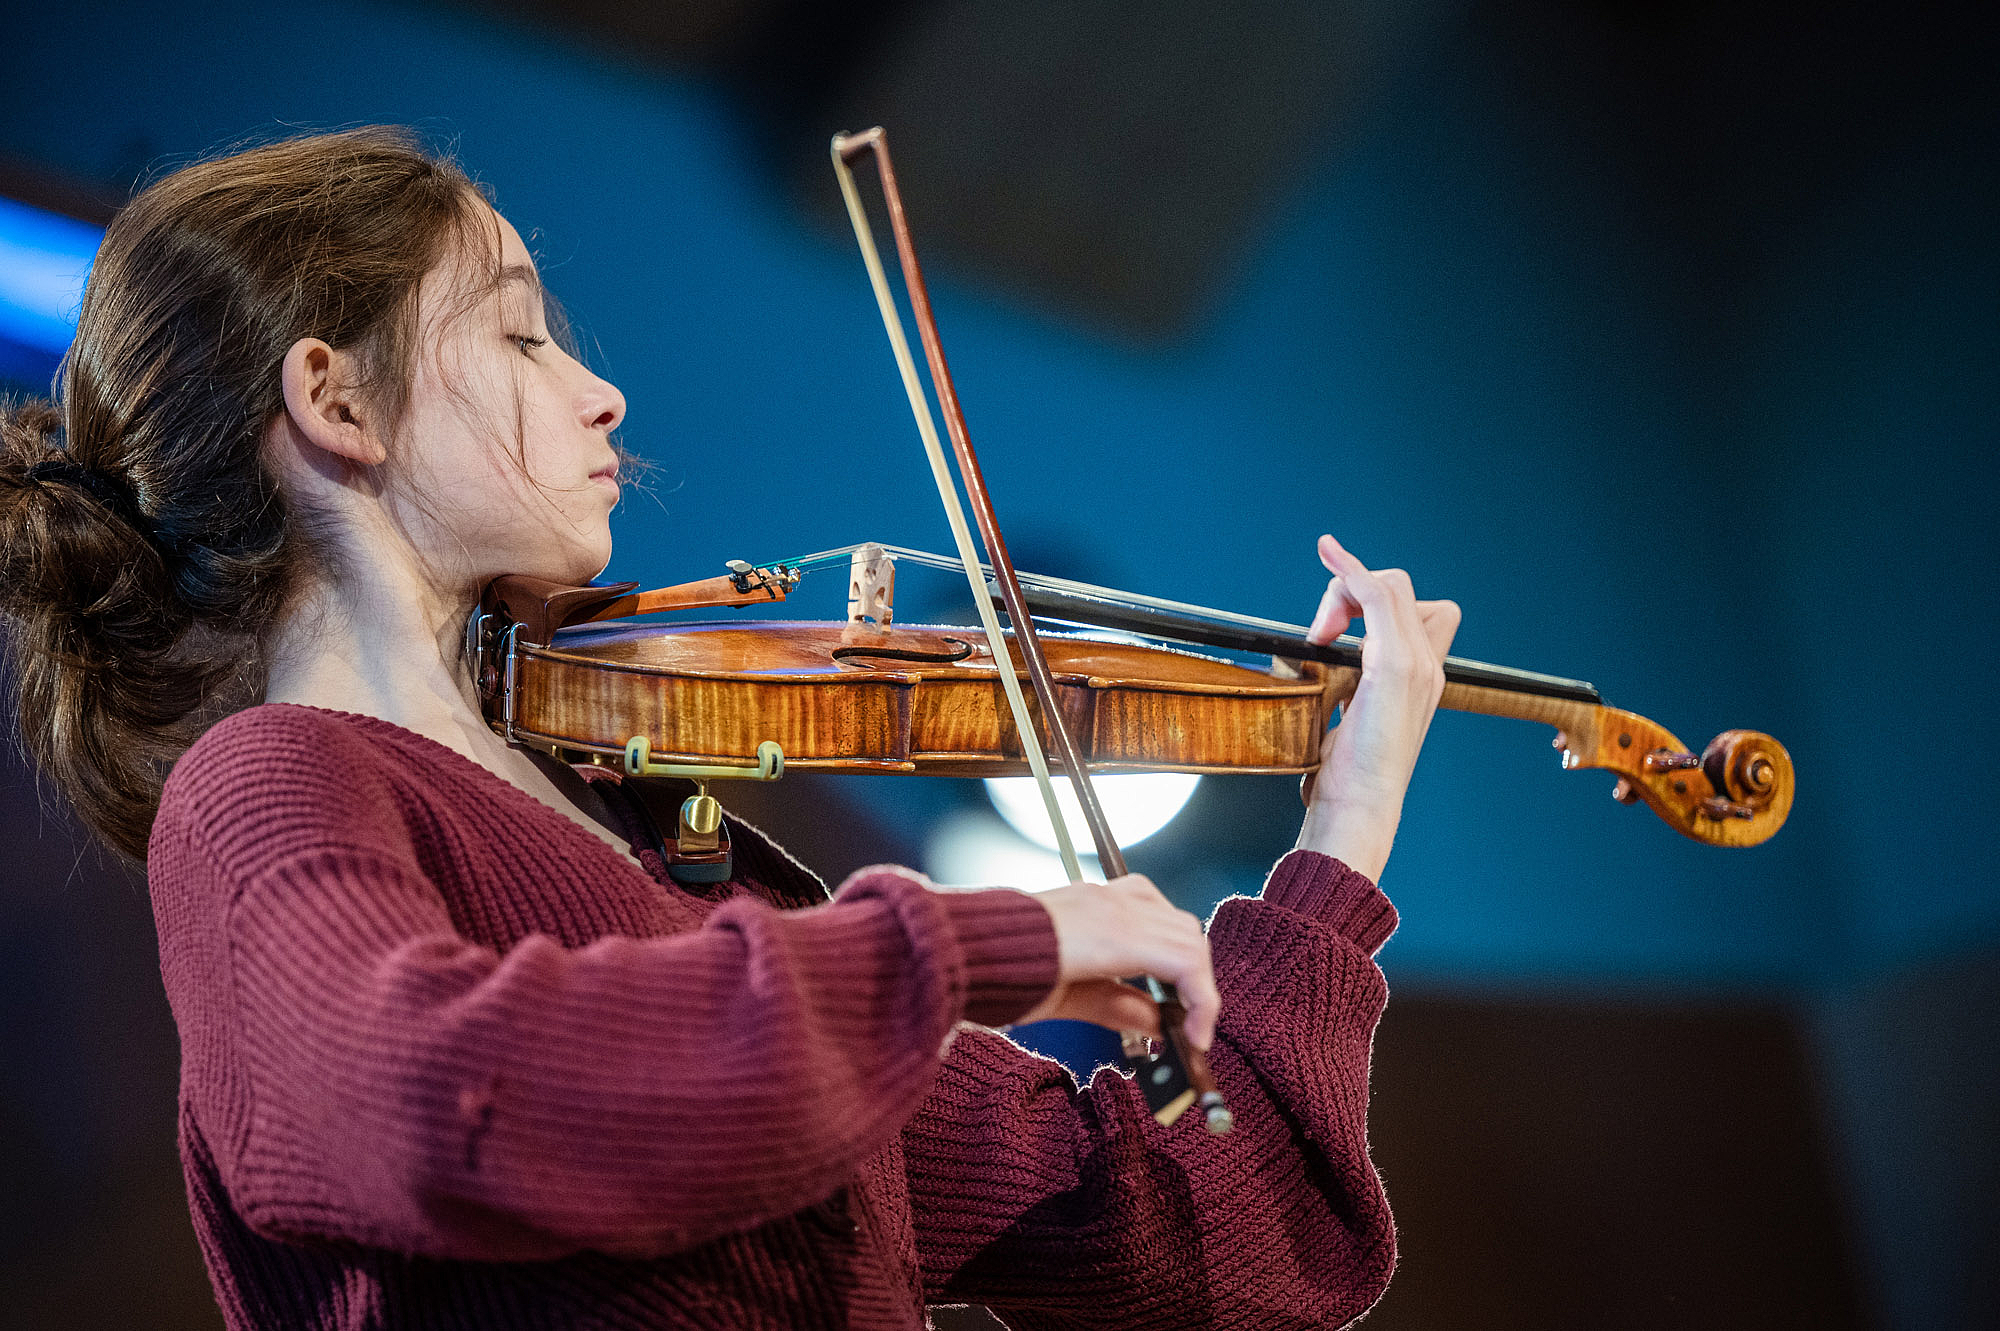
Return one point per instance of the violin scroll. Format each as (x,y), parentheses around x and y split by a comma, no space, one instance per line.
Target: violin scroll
(1736,792)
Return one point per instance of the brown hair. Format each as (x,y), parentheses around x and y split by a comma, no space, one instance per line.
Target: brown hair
(146,550)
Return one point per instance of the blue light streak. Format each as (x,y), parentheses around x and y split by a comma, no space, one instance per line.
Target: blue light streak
(44,258)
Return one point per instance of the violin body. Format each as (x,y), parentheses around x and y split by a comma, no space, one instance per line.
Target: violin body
(848,697)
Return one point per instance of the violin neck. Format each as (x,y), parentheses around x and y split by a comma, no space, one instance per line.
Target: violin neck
(1470,686)
(1577,719)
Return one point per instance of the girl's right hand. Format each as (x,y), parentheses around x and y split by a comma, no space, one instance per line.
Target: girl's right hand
(1108,931)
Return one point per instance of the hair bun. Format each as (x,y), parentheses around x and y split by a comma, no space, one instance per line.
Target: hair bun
(107,489)
(35,457)
(73,541)
(28,430)
(31,433)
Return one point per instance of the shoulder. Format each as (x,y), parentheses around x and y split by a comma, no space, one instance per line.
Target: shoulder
(279,777)
(276,749)
(277,728)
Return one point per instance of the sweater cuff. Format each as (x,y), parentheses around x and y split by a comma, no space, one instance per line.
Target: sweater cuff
(1322,888)
(1009,944)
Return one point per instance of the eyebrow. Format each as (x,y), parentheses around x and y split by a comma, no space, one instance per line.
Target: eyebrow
(520,272)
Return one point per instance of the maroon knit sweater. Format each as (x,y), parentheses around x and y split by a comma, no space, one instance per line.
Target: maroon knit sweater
(450,1061)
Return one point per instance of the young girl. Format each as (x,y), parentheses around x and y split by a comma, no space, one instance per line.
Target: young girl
(456,1051)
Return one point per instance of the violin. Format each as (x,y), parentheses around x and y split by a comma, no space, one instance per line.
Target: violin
(565,670)
(571,670)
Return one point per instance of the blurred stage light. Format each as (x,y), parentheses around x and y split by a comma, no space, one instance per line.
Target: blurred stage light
(43,261)
(1137,804)
(972,848)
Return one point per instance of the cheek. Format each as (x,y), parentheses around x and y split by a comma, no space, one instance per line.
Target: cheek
(493,459)
(482,442)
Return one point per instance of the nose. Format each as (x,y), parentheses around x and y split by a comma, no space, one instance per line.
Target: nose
(600,405)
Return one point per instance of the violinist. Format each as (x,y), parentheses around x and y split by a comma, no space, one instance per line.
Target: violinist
(456,1050)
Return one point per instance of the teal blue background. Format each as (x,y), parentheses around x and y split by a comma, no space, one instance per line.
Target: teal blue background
(1450,348)
(1762,501)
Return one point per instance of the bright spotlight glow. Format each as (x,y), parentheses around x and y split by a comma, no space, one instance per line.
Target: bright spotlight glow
(1137,804)
(975,849)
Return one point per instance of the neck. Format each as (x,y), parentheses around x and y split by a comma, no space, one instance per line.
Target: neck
(384,643)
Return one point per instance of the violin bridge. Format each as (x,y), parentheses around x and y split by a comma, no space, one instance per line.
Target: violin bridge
(871,587)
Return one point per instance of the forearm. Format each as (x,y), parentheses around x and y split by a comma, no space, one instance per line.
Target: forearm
(415,1091)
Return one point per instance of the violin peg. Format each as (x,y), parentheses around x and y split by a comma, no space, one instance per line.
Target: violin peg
(1665,760)
(1719,808)
(1625,792)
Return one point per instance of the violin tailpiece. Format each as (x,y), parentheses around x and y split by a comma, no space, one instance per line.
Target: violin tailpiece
(744,584)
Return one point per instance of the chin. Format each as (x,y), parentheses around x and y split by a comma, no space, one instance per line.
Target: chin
(572,567)
(582,555)
(592,562)
(580,572)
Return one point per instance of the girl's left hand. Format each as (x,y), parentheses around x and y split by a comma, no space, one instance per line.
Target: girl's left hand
(1366,761)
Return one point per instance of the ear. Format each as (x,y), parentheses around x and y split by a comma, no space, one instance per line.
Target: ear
(325,411)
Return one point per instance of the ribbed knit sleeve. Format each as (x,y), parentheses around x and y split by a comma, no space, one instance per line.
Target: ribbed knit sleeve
(1062,1208)
(364,1072)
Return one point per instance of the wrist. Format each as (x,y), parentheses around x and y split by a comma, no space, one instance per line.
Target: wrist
(1010,951)
(1357,834)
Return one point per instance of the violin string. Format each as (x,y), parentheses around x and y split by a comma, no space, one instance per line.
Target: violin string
(920,408)
(1492,675)
(1046,582)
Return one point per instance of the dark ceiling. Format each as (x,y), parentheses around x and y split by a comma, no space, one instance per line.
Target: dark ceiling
(1113,160)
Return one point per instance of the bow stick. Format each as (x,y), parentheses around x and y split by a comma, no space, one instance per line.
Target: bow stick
(1174,1074)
